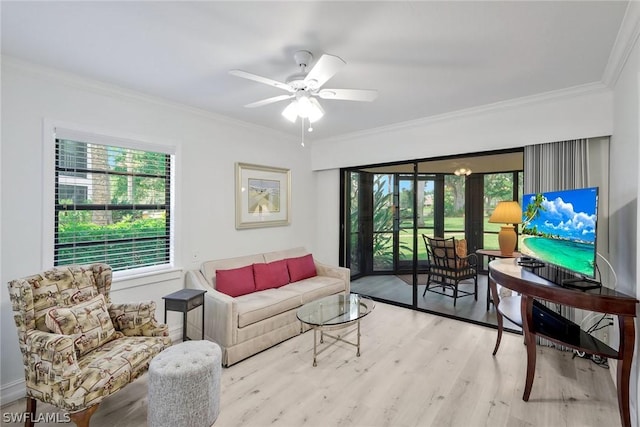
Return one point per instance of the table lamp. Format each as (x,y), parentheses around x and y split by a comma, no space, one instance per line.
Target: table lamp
(507,213)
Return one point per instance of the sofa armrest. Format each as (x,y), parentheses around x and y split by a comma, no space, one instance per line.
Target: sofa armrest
(335,271)
(50,355)
(137,319)
(221,311)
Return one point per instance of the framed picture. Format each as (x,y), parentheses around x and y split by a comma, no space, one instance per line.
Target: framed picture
(263,196)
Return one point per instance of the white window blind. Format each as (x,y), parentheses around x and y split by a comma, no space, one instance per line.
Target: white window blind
(112,204)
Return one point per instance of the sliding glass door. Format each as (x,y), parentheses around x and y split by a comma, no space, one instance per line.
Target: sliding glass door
(388,211)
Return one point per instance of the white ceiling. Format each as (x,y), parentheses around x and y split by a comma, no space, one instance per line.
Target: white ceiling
(425,58)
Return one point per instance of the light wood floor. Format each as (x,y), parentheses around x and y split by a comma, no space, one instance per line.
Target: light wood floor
(416,369)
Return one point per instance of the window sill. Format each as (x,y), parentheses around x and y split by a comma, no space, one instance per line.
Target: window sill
(123,280)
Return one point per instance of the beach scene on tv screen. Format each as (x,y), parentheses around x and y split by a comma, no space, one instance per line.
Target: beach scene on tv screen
(560,228)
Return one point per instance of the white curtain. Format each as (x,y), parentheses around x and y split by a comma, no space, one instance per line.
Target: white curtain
(555,166)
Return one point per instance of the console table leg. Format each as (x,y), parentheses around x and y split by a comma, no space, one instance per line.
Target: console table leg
(526,305)
(625,353)
(496,300)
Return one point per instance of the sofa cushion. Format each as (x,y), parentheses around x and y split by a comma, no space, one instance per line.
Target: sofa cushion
(301,268)
(284,254)
(461,252)
(271,275)
(261,305)
(236,281)
(113,366)
(88,322)
(208,268)
(316,287)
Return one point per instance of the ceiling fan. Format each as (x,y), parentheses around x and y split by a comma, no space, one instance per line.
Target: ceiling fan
(305,86)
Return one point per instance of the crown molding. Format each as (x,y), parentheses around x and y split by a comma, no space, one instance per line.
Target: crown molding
(107,89)
(571,92)
(623,46)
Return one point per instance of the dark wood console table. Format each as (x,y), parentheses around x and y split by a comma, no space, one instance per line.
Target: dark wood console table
(492,254)
(536,321)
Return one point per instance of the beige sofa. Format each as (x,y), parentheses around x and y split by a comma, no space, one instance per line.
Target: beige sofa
(247,324)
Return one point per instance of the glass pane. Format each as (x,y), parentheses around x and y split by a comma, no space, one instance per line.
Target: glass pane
(354,223)
(405,244)
(72,156)
(425,192)
(405,235)
(454,201)
(383,222)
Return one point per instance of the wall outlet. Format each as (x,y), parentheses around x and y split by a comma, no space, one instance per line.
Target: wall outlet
(195,255)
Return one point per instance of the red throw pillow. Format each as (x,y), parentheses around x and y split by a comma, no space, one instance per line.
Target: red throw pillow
(301,268)
(272,275)
(236,281)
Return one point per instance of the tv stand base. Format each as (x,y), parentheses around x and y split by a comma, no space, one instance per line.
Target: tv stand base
(581,283)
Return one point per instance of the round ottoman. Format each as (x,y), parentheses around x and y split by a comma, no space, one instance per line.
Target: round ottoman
(184,385)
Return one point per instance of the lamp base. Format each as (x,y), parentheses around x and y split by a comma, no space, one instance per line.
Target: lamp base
(507,240)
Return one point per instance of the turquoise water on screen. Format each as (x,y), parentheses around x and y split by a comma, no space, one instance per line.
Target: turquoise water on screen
(574,256)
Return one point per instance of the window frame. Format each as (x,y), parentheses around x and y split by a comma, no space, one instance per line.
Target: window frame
(53,130)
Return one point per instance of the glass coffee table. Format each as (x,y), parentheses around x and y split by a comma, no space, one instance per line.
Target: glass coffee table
(334,312)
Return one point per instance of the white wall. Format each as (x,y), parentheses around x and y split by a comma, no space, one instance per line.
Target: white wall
(208,147)
(581,112)
(624,191)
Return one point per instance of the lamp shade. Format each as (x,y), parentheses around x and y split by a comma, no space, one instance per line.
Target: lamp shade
(507,212)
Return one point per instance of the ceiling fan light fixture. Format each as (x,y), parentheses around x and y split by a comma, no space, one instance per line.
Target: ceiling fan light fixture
(315,110)
(291,112)
(305,107)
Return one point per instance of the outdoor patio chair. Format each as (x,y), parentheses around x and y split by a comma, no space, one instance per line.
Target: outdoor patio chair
(448,266)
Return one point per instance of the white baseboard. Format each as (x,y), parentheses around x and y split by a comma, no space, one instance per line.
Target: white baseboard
(12,391)
(175,334)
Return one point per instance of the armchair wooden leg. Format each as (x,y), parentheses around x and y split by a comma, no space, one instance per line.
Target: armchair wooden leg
(81,419)
(31,410)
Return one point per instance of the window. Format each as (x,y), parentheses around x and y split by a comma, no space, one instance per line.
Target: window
(112,204)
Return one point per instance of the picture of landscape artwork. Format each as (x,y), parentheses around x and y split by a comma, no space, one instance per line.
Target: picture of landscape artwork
(264,196)
(559,228)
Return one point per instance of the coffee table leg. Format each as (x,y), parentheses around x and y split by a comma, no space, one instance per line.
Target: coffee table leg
(358,353)
(315,345)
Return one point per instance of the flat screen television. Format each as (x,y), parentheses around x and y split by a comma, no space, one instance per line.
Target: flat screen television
(559,229)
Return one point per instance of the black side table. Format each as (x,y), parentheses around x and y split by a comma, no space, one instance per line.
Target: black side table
(184,301)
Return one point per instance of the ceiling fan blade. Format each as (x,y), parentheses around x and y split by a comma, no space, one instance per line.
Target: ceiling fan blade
(269,101)
(325,68)
(260,79)
(366,95)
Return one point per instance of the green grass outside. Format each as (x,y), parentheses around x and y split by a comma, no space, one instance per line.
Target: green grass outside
(451,223)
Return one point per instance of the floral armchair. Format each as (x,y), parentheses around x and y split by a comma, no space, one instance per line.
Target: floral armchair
(78,347)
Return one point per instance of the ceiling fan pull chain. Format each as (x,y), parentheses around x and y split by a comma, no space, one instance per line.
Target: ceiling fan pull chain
(302,128)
